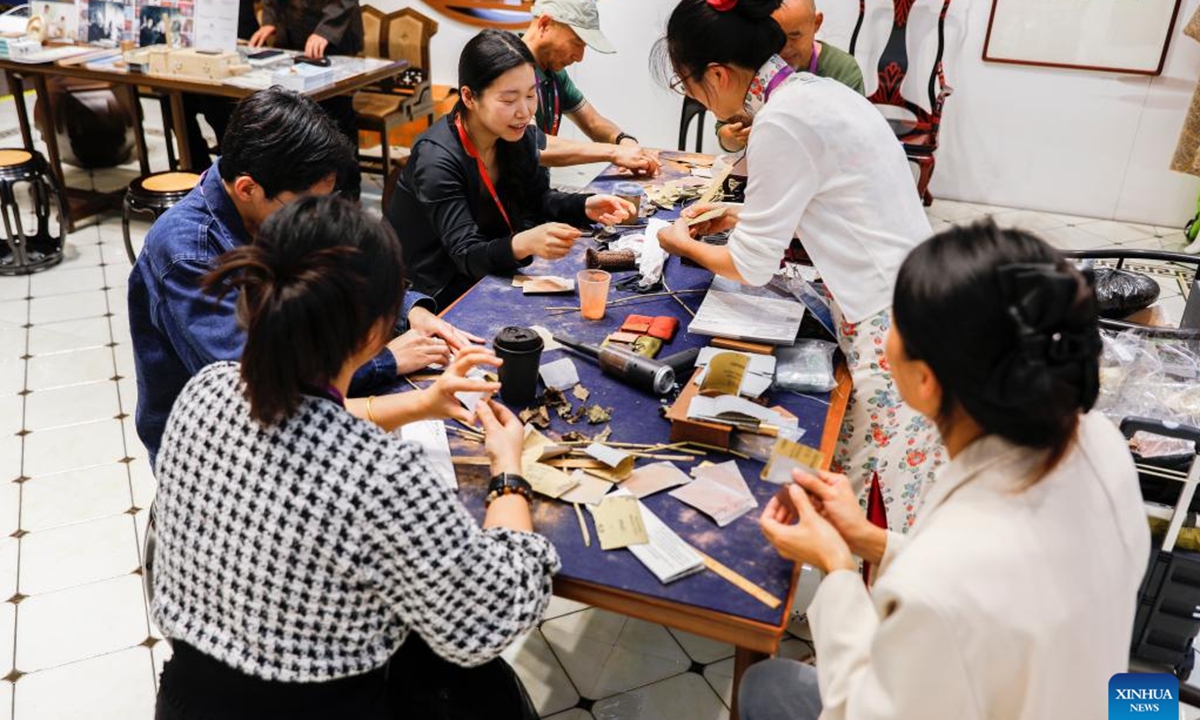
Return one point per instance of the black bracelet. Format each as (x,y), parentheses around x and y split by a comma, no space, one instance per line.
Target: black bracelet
(508,484)
(624,136)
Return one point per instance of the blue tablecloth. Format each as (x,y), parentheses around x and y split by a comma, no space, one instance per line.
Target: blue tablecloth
(494,303)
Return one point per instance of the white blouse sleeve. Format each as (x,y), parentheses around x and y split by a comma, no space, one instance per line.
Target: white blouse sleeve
(783,181)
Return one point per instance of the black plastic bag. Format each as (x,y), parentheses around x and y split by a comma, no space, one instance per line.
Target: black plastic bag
(1120,293)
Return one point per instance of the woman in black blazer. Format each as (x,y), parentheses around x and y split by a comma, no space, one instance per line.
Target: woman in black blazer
(472,200)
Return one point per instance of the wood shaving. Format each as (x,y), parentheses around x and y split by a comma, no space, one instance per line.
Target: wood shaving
(581,393)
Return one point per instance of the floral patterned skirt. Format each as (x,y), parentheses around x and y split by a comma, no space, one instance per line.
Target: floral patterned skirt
(880,433)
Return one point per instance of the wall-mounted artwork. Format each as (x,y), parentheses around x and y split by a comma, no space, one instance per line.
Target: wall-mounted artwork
(1128,36)
(505,14)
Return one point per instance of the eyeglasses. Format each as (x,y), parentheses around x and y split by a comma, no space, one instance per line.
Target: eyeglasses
(677,85)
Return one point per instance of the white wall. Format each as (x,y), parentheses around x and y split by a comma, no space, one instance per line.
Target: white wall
(1069,141)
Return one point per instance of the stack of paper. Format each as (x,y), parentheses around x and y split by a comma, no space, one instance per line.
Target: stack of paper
(719,492)
(431,435)
(746,317)
(666,554)
(735,410)
(662,551)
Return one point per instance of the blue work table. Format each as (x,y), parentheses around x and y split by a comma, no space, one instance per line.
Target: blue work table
(704,604)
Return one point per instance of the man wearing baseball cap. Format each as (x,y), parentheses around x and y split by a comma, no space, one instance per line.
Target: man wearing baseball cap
(560,32)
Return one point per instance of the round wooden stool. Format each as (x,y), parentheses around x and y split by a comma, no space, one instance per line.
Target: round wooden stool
(23,252)
(154,194)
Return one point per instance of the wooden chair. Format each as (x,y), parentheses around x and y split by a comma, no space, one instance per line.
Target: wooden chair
(691,109)
(916,128)
(401,35)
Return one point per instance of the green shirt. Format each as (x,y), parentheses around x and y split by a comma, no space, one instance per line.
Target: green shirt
(557,92)
(840,65)
(833,63)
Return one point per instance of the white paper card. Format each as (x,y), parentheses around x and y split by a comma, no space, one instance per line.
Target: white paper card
(560,374)
(431,435)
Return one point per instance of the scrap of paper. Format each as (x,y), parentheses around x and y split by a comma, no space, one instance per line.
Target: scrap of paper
(546,480)
(655,477)
(547,285)
(718,491)
(619,464)
(548,341)
(560,374)
(588,490)
(471,399)
(787,456)
(619,522)
(726,473)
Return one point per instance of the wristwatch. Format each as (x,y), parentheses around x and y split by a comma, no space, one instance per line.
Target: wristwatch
(508,484)
(624,136)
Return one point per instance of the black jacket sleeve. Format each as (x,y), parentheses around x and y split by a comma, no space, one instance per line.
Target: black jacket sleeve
(441,187)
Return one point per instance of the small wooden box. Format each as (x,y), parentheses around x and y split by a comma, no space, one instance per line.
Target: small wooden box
(684,429)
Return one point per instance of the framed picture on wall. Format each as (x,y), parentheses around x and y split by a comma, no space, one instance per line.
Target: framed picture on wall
(1126,36)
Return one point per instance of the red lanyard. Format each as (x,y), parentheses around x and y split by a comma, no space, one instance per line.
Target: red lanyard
(483,173)
(552,121)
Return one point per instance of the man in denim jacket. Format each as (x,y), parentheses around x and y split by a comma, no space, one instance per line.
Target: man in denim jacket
(279,145)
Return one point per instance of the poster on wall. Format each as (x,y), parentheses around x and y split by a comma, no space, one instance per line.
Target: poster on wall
(61,20)
(503,14)
(143,22)
(1127,36)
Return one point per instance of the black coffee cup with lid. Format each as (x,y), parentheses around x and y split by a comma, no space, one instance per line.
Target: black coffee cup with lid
(521,350)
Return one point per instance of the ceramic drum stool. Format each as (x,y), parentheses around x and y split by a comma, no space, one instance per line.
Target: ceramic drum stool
(154,194)
(23,252)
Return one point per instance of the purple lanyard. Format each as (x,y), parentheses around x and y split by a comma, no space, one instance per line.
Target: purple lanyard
(812,63)
(776,81)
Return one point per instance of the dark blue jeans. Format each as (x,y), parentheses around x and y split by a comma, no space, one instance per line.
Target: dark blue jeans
(779,689)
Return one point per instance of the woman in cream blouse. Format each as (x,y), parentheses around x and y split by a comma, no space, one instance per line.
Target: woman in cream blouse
(1013,596)
(824,167)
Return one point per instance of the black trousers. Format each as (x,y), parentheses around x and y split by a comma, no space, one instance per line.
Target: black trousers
(415,683)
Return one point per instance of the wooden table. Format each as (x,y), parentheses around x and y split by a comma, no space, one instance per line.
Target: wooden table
(703,604)
(85,203)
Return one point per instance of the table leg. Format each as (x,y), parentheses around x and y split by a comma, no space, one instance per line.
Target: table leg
(743,658)
(139,128)
(180,127)
(17,85)
(51,136)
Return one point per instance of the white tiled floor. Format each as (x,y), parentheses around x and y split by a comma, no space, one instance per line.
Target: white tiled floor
(75,639)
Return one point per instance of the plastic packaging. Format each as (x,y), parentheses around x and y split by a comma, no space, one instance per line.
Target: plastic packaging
(806,366)
(1150,377)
